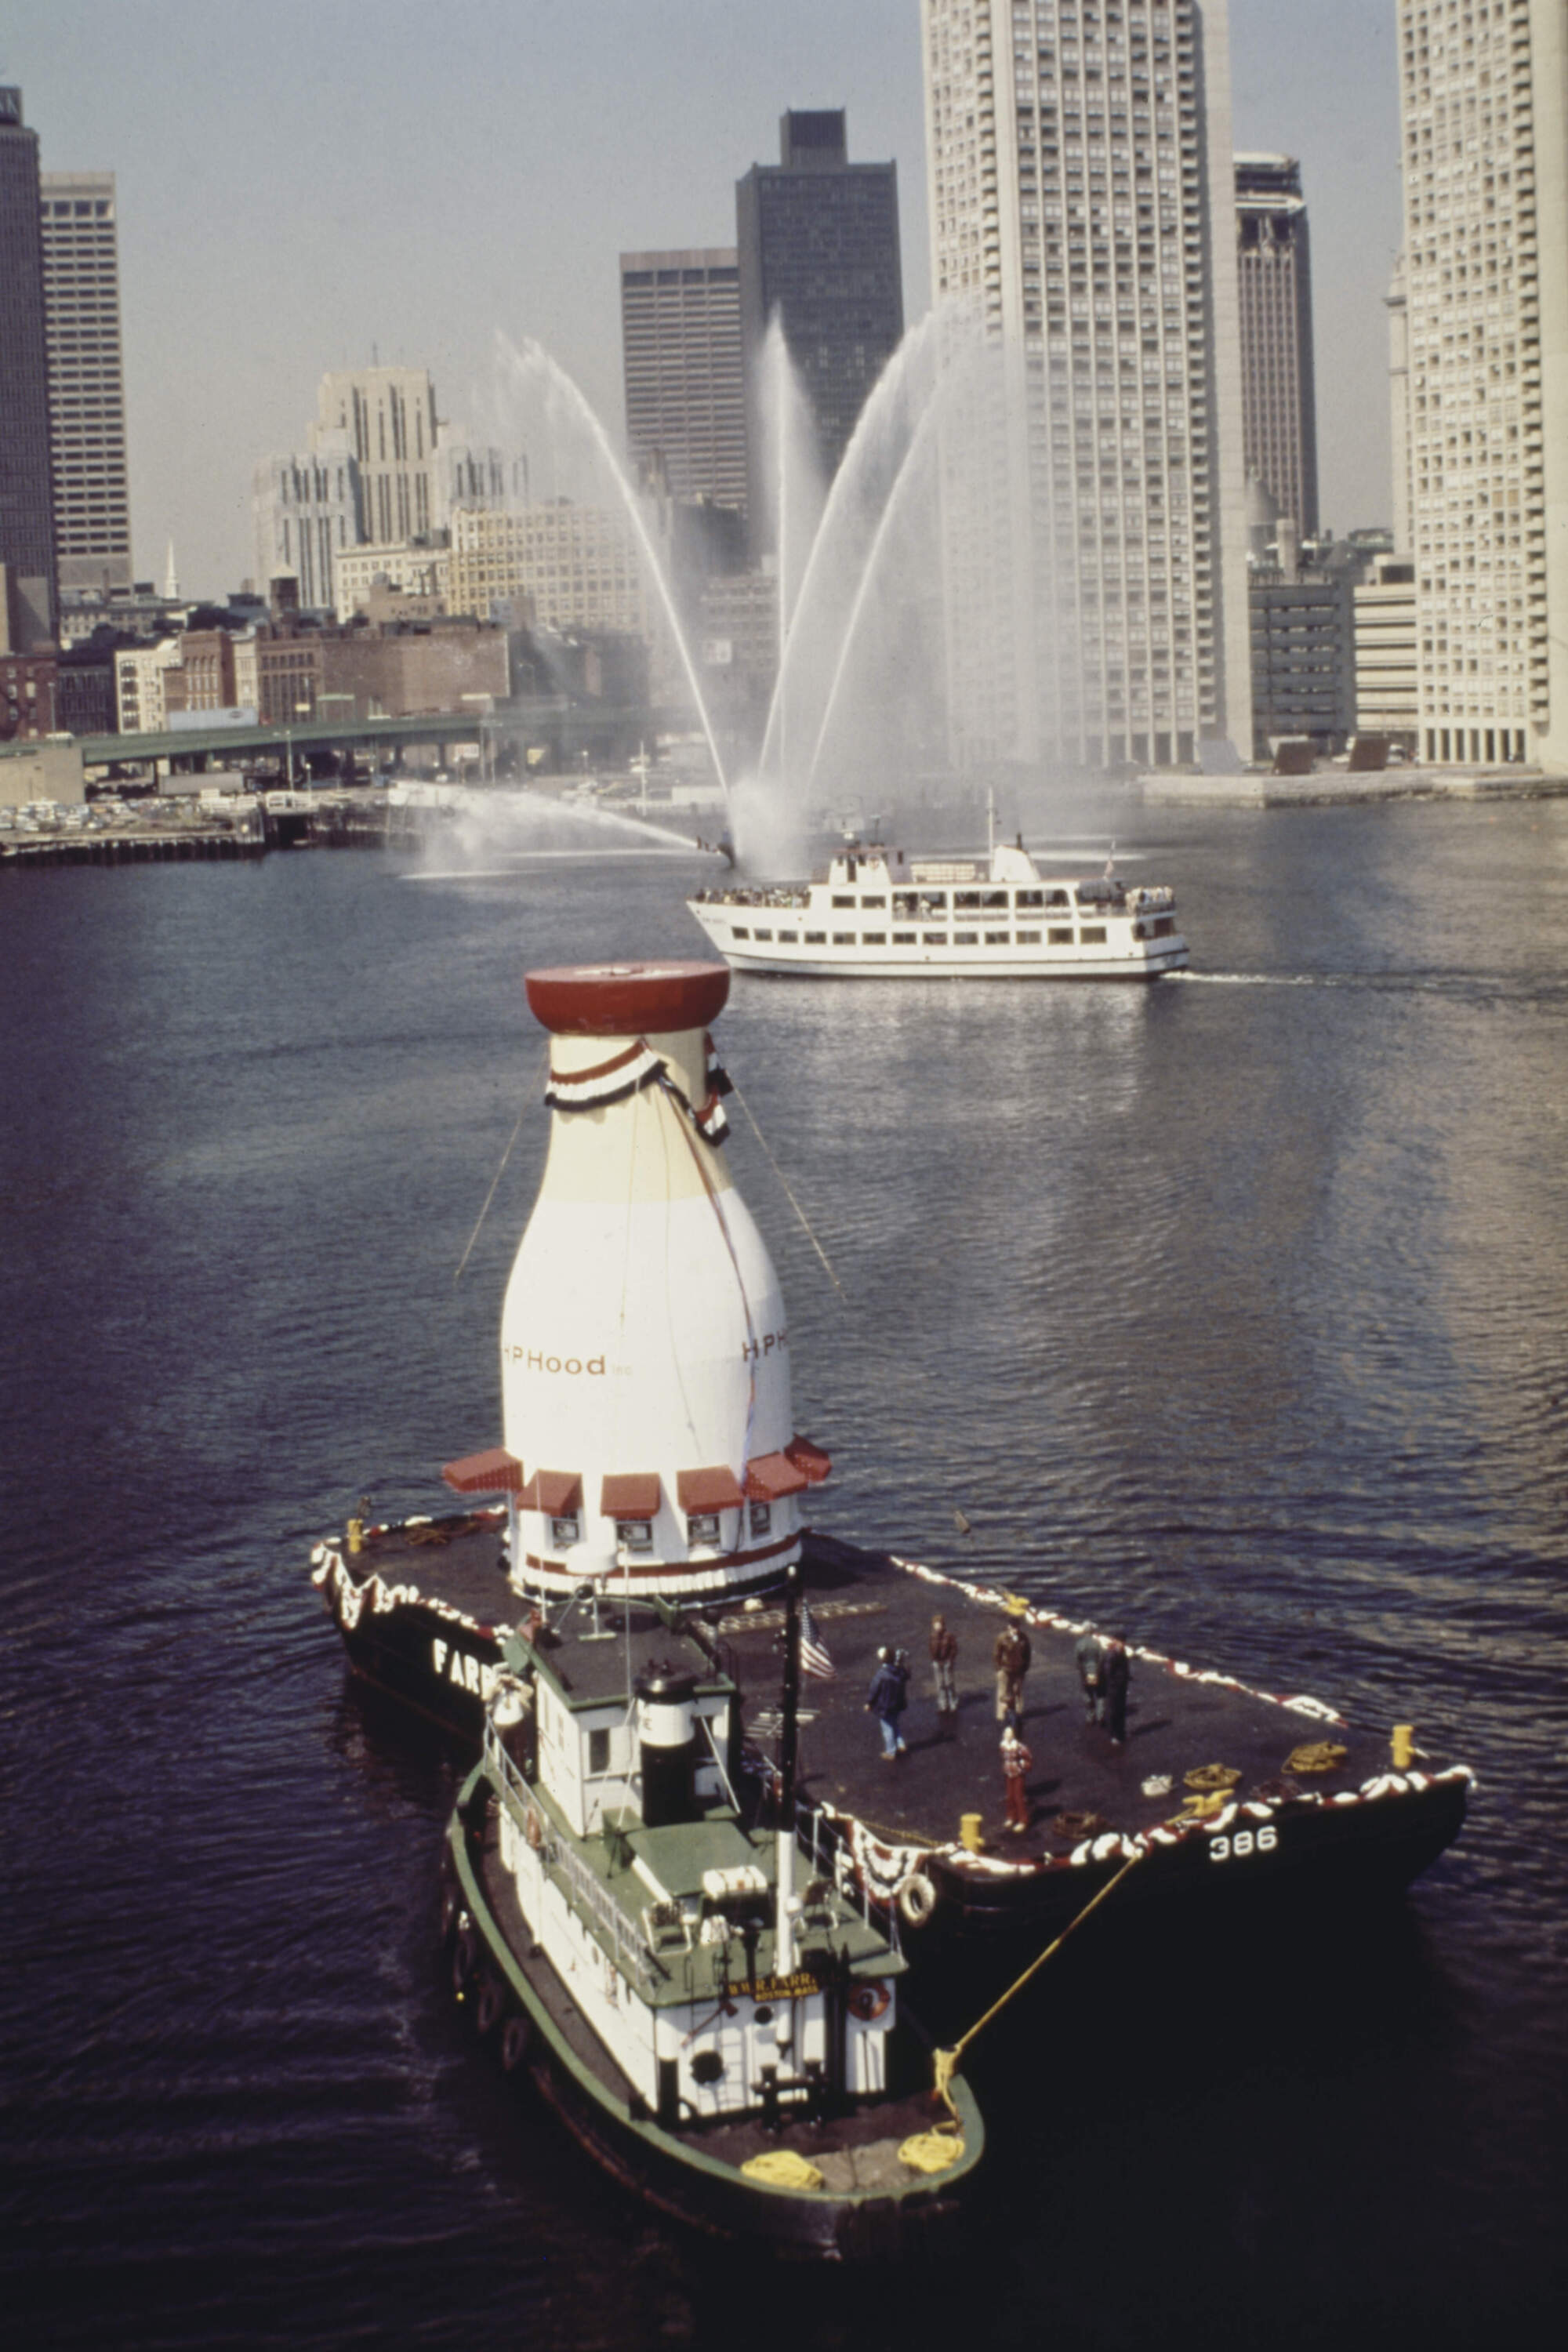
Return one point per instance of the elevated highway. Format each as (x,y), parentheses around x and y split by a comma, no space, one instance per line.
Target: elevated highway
(556,731)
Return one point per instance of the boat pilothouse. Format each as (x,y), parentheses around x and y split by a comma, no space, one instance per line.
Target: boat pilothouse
(879,914)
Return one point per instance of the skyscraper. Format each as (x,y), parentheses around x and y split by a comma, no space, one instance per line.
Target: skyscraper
(1082,211)
(1484,105)
(681,351)
(1279,415)
(818,239)
(389,415)
(26,509)
(1396,303)
(87,387)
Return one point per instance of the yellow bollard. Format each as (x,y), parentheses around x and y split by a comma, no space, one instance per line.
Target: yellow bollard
(1404,1747)
(969,1835)
(356,1535)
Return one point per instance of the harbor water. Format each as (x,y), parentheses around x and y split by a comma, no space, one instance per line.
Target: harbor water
(1232,1311)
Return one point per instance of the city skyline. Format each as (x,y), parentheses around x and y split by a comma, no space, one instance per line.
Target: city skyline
(285,231)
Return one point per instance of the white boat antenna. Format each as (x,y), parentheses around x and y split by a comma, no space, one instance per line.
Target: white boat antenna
(990,820)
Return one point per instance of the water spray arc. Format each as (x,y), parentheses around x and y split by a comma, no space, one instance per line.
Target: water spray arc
(532,359)
(921,440)
(867,449)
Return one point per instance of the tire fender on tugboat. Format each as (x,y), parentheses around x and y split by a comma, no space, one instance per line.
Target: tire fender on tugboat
(490,2003)
(514,2041)
(464,1956)
(917,1899)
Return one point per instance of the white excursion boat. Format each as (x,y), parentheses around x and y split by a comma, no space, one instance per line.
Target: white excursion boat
(878,913)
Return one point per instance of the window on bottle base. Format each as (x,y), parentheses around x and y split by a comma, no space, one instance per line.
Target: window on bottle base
(702,1527)
(564,1531)
(636,1534)
(762,1519)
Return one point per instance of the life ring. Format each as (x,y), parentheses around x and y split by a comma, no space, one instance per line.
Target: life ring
(535,1829)
(514,2041)
(490,2005)
(869,2003)
(464,1956)
(917,1898)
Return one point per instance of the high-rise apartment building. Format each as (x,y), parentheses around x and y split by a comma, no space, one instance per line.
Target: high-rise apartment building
(680,353)
(1274,285)
(26,502)
(86,385)
(1484,106)
(817,241)
(1082,211)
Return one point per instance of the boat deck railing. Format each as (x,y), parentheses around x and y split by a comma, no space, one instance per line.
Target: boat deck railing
(588,1893)
(819,1834)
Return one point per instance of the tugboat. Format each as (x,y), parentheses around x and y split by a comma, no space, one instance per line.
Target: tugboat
(735,2050)
(648,1421)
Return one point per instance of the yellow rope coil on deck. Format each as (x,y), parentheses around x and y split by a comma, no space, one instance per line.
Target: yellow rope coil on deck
(780,2167)
(1211,1776)
(931,2151)
(1315,1756)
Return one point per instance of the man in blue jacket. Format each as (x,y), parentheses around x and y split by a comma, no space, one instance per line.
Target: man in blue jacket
(885,1700)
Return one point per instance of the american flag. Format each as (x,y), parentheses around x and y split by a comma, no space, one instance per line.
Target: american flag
(814,1658)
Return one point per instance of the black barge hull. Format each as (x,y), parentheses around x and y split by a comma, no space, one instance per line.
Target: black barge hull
(421,1608)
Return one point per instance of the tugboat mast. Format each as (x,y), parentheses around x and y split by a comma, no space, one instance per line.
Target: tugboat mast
(783,1931)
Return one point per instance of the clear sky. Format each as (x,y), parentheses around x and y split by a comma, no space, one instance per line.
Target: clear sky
(302,182)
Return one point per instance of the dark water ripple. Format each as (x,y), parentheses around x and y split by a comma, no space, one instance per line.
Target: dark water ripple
(1234,1311)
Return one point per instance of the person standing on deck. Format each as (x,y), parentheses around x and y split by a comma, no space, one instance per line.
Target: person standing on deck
(1088,1655)
(1016,1764)
(885,1700)
(1118,1673)
(1013,1656)
(943,1663)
